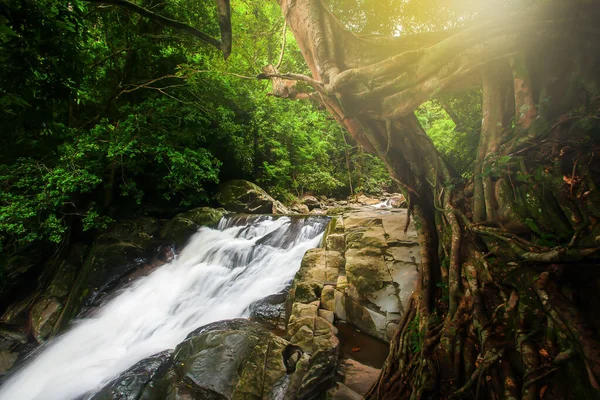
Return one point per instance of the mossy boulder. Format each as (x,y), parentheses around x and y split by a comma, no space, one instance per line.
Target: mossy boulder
(43,316)
(139,232)
(306,291)
(235,359)
(178,230)
(7,360)
(246,197)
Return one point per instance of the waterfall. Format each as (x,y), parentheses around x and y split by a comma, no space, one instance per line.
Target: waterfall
(217,276)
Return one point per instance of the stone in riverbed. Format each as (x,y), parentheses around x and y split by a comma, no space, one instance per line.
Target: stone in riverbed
(246,197)
(238,359)
(311,202)
(300,208)
(131,384)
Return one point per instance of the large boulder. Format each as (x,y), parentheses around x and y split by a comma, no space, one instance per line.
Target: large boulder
(235,359)
(246,197)
(299,208)
(357,376)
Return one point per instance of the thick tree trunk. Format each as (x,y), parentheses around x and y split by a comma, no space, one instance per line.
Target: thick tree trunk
(509,279)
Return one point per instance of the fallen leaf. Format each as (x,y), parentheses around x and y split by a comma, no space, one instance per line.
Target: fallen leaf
(570,180)
(543,391)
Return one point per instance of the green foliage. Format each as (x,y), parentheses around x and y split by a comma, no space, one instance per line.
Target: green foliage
(457,144)
(105,113)
(370,174)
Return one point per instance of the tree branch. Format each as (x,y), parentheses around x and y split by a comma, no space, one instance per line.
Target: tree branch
(295,77)
(224,13)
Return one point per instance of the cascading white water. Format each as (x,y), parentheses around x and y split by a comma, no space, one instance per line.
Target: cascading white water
(217,276)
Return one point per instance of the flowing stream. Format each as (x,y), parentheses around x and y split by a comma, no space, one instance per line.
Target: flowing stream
(217,276)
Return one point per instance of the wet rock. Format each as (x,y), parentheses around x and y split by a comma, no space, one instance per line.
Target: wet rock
(270,311)
(11,338)
(246,197)
(107,265)
(131,384)
(43,315)
(179,229)
(7,360)
(234,359)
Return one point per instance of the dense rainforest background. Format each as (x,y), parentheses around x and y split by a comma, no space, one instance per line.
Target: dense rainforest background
(483,113)
(106,114)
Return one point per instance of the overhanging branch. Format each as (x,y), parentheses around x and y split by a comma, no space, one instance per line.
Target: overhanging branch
(224,22)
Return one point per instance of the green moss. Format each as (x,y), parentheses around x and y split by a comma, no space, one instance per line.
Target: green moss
(307,292)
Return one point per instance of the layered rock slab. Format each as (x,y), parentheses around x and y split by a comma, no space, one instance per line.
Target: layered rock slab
(365,273)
